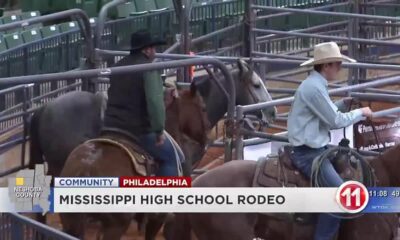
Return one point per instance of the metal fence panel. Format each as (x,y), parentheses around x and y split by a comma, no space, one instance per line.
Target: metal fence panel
(15,226)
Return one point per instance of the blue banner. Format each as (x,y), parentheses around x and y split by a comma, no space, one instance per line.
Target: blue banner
(383,200)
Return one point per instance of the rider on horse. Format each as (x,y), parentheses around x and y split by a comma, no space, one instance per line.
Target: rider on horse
(136,104)
(313,115)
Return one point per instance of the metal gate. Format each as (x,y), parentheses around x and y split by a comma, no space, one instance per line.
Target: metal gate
(15,226)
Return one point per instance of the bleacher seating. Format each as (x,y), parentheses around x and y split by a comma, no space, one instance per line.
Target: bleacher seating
(13,40)
(91,7)
(128,9)
(147,5)
(3,45)
(68,26)
(164,4)
(10,19)
(62,41)
(27,15)
(31,35)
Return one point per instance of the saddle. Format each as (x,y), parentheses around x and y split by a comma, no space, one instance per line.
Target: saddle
(142,162)
(278,171)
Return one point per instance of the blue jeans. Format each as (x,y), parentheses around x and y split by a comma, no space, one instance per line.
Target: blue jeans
(163,154)
(302,157)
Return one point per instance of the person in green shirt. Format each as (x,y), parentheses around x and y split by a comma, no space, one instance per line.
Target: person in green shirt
(136,104)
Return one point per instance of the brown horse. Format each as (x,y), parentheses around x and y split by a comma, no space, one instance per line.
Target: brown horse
(244,226)
(102,159)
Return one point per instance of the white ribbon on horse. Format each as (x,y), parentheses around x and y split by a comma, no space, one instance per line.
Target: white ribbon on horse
(178,153)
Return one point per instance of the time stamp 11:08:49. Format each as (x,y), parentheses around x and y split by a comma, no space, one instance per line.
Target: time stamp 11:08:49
(384,193)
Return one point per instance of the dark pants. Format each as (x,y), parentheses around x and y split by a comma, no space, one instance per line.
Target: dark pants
(302,157)
(164,154)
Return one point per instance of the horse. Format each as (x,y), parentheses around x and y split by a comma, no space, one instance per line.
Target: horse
(97,158)
(54,131)
(241,226)
(249,89)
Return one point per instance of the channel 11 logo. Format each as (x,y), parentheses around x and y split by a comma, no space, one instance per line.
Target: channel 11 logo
(352,196)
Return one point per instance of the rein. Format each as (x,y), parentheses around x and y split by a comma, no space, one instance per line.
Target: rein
(370,122)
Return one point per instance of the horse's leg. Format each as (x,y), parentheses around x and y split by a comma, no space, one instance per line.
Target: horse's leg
(114,225)
(141,221)
(72,225)
(177,227)
(370,227)
(223,226)
(153,225)
(114,231)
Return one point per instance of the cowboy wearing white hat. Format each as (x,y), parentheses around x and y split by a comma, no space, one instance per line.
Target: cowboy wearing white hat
(327,52)
(313,115)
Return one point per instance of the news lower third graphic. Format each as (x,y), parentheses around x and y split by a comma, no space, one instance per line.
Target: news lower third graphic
(30,189)
(352,196)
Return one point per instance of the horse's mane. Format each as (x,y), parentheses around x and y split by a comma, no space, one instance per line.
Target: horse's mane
(101,99)
(234,70)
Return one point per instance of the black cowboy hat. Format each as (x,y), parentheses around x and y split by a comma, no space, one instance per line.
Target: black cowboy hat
(142,39)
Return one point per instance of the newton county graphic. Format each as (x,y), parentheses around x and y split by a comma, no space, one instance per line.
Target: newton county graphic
(30,189)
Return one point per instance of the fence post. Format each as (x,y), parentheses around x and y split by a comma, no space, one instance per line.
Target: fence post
(249,37)
(362,51)
(239,137)
(353,31)
(186,36)
(25,107)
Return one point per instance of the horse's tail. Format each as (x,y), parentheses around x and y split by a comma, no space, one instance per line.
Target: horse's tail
(36,153)
(178,227)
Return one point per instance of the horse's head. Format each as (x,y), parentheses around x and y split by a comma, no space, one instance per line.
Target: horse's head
(187,111)
(250,89)
(193,118)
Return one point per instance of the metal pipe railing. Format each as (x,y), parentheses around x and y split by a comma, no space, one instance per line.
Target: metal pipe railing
(327,37)
(361,86)
(376,97)
(59,90)
(11,89)
(215,33)
(386,112)
(290,13)
(256,60)
(285,139)
(282,61)
(100,26)
(282,56)
(335,85)
(326,13)
(314,28)
(102,19)
(380,5)
(22,223)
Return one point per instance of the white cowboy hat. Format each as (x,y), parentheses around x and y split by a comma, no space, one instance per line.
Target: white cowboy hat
(327,52)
